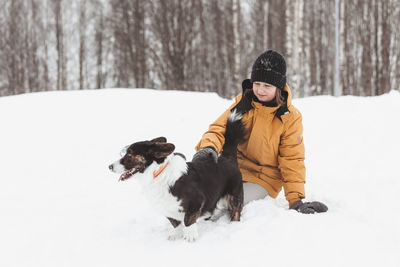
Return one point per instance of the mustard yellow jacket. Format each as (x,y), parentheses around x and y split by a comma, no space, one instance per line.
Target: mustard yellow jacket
(272,152)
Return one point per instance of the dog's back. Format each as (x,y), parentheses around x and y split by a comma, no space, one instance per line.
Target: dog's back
(207,181)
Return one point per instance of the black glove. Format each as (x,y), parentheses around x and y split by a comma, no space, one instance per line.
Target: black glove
(309,207)
(206,152)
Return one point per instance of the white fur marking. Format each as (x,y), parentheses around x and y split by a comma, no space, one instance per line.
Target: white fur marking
(118,167)
(190,233)
(235,116)
(220,209)
(176,233)
(157,190)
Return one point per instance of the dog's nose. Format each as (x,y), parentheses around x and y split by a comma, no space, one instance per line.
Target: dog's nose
(111,167)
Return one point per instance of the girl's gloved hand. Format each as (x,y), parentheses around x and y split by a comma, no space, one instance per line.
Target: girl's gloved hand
(309,207)
(205,153)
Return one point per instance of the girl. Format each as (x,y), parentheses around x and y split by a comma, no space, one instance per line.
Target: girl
(271,155)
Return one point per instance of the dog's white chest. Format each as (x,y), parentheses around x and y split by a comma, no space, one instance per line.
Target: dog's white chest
(157,189)
(167,204)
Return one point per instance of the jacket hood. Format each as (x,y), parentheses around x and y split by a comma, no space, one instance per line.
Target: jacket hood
(286,91)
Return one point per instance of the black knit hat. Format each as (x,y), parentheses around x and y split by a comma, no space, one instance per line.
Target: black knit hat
(270,67)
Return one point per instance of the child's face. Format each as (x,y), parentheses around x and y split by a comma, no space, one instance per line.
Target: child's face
(264,91)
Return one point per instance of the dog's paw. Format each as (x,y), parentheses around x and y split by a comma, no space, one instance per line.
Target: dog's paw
(190,233)
(190,237)
(176,233)
(174,236)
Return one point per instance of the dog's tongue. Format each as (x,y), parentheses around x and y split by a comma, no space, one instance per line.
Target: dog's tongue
(127,174)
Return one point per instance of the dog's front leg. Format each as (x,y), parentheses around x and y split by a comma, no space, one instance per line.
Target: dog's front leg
(190,233)
(177,232)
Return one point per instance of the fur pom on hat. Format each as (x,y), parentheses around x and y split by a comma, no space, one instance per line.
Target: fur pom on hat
(270,67)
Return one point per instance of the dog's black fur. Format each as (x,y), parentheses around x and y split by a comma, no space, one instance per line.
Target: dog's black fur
(205,182)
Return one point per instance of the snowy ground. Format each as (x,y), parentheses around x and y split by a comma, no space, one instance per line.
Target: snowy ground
(60,206)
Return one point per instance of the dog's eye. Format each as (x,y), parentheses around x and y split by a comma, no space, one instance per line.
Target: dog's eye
(128,155)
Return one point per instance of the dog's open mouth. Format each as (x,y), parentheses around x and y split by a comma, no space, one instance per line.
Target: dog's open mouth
(128,174)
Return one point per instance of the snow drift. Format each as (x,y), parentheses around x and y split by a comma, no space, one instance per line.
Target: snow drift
(60,205)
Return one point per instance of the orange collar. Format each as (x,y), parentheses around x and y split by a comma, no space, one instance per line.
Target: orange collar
(157,172)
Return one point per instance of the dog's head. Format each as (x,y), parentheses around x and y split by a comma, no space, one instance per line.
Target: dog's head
(140,155)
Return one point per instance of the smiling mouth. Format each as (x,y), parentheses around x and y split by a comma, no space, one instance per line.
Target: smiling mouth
(128,174)
(262,95)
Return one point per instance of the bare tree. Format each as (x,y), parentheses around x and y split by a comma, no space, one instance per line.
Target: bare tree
(130,47)
(312,65)
(173,26)
(200,45)
(82,42)
(14,48)
(60,46)
(366,60)
(218,59)
(384,77)
(260,13)
(99,50)
(277,25)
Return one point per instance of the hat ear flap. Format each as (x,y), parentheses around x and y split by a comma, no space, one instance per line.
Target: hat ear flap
(246,85)
(162,150)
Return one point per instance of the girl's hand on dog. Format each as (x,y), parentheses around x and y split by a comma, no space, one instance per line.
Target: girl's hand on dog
(205,153)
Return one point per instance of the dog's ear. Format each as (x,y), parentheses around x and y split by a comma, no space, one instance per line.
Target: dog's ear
(162,150)
(159,140)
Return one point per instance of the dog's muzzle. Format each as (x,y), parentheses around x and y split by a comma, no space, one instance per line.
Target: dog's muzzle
(119,168)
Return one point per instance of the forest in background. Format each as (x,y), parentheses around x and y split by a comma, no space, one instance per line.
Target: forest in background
(196,45)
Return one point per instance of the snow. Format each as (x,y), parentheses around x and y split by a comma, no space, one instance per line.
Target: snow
(61,206)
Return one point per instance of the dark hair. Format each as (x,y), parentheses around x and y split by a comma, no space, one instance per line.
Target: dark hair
(279,98)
